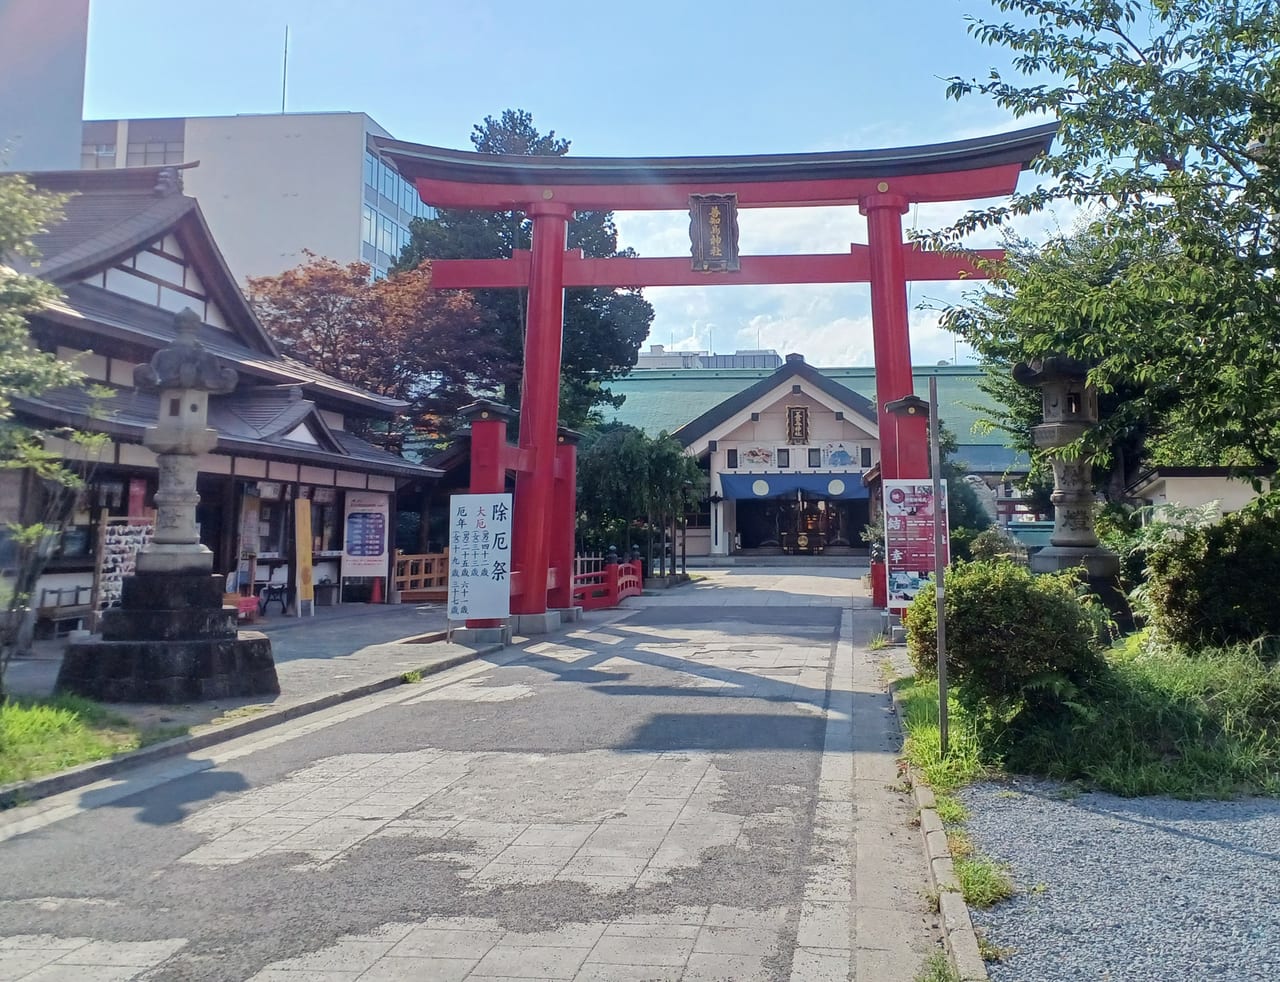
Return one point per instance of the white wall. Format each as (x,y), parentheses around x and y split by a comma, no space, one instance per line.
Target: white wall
(1191,492)
(272,186)
(42,52)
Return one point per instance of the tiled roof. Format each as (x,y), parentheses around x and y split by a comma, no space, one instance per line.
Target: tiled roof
(250,422)
(114,213)
(793,368)
(658,400)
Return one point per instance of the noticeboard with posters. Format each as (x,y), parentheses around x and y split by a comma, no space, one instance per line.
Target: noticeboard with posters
(364,542)
(908,537)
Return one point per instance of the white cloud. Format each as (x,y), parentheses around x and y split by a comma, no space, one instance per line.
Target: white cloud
(829,324)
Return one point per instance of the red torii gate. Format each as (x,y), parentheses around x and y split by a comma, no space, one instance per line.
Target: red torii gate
(883,184)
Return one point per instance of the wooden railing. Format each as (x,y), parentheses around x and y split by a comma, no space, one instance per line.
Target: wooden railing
(608,586)
(421,577)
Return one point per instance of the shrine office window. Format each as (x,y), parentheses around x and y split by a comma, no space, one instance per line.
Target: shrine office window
(731,459)
(815,456)
(784,457)
(866,456)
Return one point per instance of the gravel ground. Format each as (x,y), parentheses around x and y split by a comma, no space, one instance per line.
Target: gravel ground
(1131,889)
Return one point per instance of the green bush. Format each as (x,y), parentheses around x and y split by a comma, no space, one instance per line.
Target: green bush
(1216,585)
(1016,643)
(994,543)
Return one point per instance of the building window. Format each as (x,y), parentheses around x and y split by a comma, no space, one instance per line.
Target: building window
(153,153)
(815,457)
(784,458)
(731,459)
(866,456)
(97,156)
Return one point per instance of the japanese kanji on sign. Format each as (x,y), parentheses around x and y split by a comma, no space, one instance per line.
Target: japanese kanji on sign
(908,537)
(479,556)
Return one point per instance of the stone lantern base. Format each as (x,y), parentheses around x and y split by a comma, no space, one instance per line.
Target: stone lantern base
(1101,564)
(171,640)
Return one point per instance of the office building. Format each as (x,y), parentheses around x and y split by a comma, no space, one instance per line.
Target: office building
(42,48)
(273,187)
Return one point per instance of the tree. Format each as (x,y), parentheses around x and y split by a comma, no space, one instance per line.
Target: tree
(397,336)
(603,329)
(1005,322)
(54,483)
(1168,112)
(628,481)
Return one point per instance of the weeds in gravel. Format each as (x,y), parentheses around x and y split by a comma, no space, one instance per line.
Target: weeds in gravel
(983,881)
(409,678)
(937,969)
(990,951)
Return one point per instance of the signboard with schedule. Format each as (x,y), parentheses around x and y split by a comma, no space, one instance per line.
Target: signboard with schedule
(479,556)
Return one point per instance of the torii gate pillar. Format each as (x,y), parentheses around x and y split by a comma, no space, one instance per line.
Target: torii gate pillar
(904,441)
(540,406)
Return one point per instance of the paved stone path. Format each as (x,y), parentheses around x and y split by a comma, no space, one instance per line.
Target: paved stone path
(697,787)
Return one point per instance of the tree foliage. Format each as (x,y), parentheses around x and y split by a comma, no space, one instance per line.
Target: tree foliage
(55,482)
(603,329)
(1168,112)
(397,336)
(24,368)
(627,480)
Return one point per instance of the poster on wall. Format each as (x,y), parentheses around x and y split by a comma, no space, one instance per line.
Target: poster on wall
(364,540)
(479,556)
(757,456)
(841,454)
(908,537)
(302,545)
(119,542)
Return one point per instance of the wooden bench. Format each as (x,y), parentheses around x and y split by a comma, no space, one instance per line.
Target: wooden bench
(64,609)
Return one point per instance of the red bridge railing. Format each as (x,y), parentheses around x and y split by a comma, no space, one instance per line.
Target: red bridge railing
(607,587)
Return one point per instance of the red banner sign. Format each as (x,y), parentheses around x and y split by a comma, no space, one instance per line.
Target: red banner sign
(908,537)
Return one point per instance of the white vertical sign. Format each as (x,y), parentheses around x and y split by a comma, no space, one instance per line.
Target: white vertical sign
(479,556)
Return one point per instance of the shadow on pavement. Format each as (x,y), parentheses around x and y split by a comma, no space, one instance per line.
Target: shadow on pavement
(164,804)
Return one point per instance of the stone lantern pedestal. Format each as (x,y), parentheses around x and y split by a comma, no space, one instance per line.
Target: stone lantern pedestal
(1070,407)
(171,640)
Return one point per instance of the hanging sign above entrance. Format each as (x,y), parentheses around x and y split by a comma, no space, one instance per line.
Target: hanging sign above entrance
(713,232)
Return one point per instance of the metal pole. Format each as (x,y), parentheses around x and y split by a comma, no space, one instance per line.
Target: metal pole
(935,465)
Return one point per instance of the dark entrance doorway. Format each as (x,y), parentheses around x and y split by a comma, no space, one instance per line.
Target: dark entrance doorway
(802,524)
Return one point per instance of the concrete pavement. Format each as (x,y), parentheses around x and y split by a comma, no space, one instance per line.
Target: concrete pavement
(701,786)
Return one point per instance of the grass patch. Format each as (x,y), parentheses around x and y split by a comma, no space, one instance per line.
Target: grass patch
(1158,721)
(41,736)
(937,968)
(878,643)
(923,746)
(983,881)
(1161,721)
(408,678)
(951,810)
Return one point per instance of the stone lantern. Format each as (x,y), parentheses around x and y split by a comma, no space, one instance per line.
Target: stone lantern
(171,640)
(1070,408)
(184,375)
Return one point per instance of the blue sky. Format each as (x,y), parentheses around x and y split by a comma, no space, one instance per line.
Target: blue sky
(653,78)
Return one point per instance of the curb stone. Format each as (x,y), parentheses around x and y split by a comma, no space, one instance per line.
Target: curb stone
(957,925)
(24,792)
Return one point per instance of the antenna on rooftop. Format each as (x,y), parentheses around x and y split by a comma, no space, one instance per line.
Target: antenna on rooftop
(284,78)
